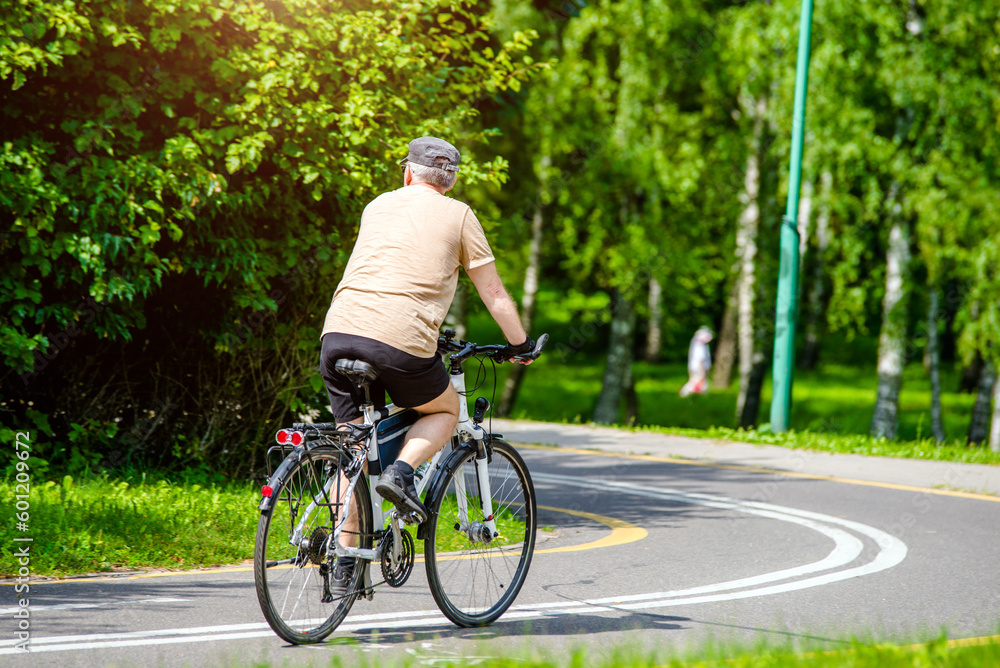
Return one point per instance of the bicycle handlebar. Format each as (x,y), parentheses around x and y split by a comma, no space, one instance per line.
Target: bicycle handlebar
(466,349)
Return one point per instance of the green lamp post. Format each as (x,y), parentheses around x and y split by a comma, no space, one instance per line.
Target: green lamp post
(788,273)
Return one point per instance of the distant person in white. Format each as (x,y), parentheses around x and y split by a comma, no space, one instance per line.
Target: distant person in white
(699,362)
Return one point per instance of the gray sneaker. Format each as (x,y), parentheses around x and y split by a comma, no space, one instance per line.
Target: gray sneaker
(399,489)
(340,576)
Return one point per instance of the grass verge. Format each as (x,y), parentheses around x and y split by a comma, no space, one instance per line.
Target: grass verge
(102,524)
(846,444)
(941,653)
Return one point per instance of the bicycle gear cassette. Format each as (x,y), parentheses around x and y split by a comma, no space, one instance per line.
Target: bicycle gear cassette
(396,577)
(317,541)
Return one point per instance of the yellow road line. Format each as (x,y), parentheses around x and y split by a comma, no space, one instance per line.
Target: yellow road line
(972,642)
(753,469)
(622,532)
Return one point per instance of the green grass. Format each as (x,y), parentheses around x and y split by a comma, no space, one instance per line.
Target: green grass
(941,653)
(831,409)
(102,524)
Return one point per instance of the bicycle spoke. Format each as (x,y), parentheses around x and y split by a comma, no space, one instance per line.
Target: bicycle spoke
(474,577)
(290,562)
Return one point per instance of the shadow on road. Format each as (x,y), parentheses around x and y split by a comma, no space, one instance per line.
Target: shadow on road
(567,626)
(577,624)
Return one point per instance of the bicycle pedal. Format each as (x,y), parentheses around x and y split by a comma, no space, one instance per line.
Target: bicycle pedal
(411,518)
(407,519)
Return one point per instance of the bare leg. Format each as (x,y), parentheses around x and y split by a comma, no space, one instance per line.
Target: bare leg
(432,431)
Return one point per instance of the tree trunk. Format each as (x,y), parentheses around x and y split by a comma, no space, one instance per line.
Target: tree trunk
(458,314)
(654,337)
(751,407)
(971,375)
(934,355)
(618,367)
(746,252)
(631,399)
(512,386)
(980,422)
(814,303)
(892,339)
(995,424)
(725,351)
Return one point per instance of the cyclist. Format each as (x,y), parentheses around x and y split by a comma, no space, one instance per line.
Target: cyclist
(396,291)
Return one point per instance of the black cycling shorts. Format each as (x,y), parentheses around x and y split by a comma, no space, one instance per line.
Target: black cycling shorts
(410,380)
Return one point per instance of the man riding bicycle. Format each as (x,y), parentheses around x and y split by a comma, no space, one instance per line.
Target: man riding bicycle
(396,291)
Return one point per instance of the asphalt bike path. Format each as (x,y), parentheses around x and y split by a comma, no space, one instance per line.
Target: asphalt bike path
(647,539)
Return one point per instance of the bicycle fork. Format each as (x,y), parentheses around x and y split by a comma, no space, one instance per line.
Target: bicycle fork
(485,531)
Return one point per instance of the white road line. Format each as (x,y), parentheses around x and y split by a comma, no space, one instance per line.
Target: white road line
(85,606)
(891,550)
(847,548)
(197,630)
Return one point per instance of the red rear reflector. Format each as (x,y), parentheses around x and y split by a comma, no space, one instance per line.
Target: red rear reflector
(281,437)
(266,490)
(297,438)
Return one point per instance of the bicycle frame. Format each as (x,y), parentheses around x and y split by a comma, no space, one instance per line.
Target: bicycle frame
(465,430)
(327,513)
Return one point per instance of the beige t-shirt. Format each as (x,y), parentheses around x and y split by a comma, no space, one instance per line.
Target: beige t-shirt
(403,271)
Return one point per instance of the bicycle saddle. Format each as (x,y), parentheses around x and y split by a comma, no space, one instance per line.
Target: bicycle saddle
(359,372)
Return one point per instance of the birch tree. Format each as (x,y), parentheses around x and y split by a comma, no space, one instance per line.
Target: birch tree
(746,252)
(892,338)
(934,358)
(629,163)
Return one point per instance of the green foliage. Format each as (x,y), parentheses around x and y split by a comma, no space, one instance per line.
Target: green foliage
(244,127)
(180,185)
(888,85)
(639,134)
(180,182)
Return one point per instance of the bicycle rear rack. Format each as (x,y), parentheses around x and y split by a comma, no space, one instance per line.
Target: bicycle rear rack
(328,435)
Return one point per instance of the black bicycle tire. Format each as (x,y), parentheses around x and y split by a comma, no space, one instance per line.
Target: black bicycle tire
(504,449)
(343,607)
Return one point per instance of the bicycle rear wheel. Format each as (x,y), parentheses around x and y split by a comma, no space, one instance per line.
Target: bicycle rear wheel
(291,570)
(474,577)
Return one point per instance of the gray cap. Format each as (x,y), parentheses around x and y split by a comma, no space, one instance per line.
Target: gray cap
(433,152)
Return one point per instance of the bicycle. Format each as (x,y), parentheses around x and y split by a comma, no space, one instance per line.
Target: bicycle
(319,504)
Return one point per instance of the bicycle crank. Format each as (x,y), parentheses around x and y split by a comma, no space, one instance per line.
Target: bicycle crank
(397,565)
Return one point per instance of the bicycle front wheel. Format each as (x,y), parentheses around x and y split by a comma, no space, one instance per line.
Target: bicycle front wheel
(292,571)
(475,576)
